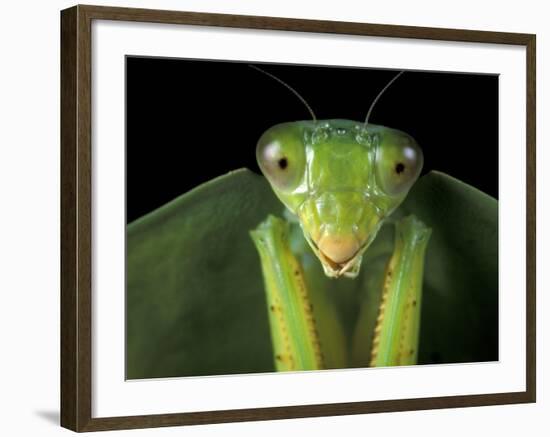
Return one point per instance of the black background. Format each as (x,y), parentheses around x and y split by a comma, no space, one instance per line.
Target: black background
(189,121)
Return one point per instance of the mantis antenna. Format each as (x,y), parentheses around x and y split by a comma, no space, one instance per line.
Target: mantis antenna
(289,87)
(378,96)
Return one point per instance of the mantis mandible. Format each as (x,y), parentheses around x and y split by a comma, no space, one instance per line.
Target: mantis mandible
(340,180)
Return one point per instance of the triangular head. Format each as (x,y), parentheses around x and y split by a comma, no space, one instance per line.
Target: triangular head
(342,179)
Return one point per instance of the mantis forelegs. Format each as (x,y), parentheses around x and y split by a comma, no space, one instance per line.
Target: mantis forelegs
(294,329)
(294,333)
(396,333)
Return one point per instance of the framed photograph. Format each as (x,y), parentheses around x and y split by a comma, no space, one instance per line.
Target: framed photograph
(268,218)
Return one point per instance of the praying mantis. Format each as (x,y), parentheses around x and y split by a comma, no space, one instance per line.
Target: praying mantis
(339,181)
(197,302)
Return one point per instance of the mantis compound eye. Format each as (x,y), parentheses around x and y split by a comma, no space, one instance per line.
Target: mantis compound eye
(281,159)
(399,161)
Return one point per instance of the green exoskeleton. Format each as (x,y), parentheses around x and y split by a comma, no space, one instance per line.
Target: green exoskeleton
(340,180)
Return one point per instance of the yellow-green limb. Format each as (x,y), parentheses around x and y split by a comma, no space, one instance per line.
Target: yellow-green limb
(294,333)
(397,328)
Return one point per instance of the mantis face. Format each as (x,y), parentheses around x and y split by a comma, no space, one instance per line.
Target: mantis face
(342,179)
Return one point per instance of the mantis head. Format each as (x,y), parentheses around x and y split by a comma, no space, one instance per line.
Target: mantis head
(342,179)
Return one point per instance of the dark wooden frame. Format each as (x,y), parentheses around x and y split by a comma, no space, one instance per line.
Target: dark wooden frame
(76,238)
